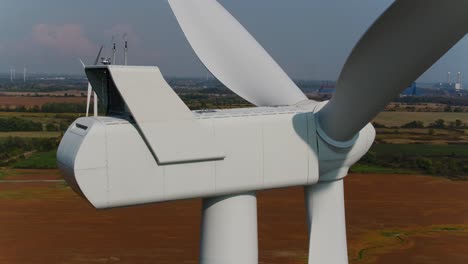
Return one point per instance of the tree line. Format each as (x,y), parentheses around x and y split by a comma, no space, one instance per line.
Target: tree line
(453,166)
(13,148)
(48,108)
(439,123)
(15,124)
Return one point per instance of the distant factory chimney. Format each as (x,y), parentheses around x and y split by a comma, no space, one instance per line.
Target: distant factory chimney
(413,90)
(458,85)
(449,78)
(12,74)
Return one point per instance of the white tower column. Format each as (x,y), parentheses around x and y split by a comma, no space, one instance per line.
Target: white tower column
(229,230)
(327,226)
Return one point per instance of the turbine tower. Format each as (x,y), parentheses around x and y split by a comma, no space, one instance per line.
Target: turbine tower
(151,148)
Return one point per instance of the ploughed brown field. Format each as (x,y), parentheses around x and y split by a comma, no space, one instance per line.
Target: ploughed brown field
(31,101)
(390,218)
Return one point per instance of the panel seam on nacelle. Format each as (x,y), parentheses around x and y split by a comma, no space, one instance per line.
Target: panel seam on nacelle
(263,154)
(214,162)
(309,158)
(107,167)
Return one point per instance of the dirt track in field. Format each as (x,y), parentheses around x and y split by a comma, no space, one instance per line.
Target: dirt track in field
(391,219)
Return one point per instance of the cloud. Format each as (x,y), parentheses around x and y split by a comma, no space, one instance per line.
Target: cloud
(67,39)
(48,47)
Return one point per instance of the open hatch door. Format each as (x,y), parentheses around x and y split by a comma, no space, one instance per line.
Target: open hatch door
(167,125)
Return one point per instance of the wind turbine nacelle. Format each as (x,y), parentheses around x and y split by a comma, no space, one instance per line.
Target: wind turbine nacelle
(152,148)
(107,160)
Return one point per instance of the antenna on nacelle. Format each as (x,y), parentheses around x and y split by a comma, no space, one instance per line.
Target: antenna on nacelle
(125,48)
(113,50)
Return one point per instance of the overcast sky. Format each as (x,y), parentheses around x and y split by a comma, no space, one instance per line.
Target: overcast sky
(309,39)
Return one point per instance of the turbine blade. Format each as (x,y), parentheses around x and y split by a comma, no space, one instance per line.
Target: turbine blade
(82,63)
(88,99)
(400,46)
(95,104)
(232,55)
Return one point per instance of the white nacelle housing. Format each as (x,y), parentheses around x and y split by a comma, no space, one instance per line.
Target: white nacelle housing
(107,160)
(152,148)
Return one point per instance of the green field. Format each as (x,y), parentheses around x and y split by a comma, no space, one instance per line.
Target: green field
(366,168)
(38,160)
(45,118)
(396,119)
(421,150)
(448,161)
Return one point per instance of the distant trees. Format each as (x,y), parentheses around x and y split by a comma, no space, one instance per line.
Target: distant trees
(12,148)
(63,108)
(417,124)
(52,127)
(47,108)
(413,124)
(439,123)
(12,124)
(449,108)
(431,132)
(424,164)
(378,125)
(452,166)
(15,124)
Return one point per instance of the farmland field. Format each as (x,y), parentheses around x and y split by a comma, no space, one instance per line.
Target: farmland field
(413,219)
(391,218)
(30,101)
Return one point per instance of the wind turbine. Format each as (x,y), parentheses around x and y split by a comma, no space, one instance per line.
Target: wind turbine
(152,148)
